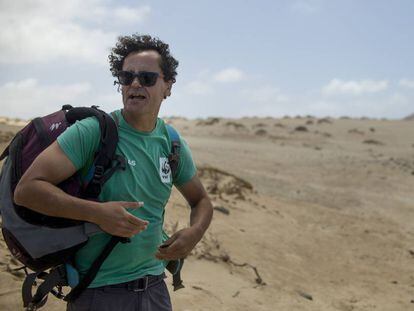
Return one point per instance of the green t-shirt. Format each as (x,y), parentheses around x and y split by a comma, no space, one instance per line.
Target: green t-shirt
(143,180)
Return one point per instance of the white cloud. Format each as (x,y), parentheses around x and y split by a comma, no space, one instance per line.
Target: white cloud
(399,99)
(42,31)
(339,87)
(304,6)
(262,101)
(203,83)
(265,94)
(198,88)
(131,15)
(26,98)
(407,83)
(394,105)
(229,75)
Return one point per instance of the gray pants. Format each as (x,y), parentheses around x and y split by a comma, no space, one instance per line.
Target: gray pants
(147,294)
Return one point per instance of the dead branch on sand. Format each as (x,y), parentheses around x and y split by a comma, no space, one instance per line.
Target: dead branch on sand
(226,258)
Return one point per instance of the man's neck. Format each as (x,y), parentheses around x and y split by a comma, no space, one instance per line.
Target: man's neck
(143,123)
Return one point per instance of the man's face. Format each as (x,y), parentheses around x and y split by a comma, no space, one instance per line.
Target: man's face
(142,100)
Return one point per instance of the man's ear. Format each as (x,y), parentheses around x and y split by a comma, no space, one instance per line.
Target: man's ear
(168,89)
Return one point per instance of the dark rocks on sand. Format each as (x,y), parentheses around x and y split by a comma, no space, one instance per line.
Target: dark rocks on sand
(373,142)
(301,128)
(356,131)
(305,295)
(222,209)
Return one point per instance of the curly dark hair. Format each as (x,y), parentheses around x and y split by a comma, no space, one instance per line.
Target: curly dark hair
(137,43)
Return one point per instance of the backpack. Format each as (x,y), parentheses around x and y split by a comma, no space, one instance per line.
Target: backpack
(60,238)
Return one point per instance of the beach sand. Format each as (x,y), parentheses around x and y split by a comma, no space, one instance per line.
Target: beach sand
(310,214)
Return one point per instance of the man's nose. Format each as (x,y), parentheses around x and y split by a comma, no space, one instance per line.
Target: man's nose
(135,82)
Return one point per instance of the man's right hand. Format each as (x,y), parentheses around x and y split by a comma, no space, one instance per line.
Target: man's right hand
(113,218)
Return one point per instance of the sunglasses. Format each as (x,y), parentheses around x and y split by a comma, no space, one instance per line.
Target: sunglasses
(145,78)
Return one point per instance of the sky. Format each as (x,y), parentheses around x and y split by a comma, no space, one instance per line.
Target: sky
(236,58)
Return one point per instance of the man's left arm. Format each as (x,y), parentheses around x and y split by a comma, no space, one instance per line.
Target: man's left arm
(183,241)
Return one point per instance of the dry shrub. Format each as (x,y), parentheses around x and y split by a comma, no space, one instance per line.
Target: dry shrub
(324,120)
(261,132)
(259,125)
(301,128)
(6,136)
(235,125)
(218,182)
(209,121)
(356,131)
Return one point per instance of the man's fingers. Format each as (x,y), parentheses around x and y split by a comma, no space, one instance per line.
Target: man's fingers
(137,221)
(168,254)
(131,218)
(134,223)
(169,247)
(130,230)
(168,242)
(124,224)
(163,255)
(133,205)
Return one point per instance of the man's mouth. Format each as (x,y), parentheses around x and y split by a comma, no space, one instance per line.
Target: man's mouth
(139,97)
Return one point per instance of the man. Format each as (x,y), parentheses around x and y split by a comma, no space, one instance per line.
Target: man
(132,201)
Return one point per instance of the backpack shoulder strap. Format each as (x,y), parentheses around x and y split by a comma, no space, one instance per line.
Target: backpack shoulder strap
(115,117)
(174,156)
(5,153)
(102,167)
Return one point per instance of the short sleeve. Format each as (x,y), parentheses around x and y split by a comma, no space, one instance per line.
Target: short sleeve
(186,167)
(80,141)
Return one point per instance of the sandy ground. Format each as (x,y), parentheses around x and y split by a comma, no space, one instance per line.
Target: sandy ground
(310,214)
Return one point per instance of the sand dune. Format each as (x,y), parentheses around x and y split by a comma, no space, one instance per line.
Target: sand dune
(310,214)
(409,117)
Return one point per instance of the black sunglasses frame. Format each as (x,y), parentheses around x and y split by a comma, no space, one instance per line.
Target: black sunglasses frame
(145,78)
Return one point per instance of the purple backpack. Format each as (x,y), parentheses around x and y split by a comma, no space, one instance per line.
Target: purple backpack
(59,238)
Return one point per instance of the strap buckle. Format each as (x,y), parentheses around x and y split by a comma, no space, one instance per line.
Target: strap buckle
(99,171)
(139,285)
